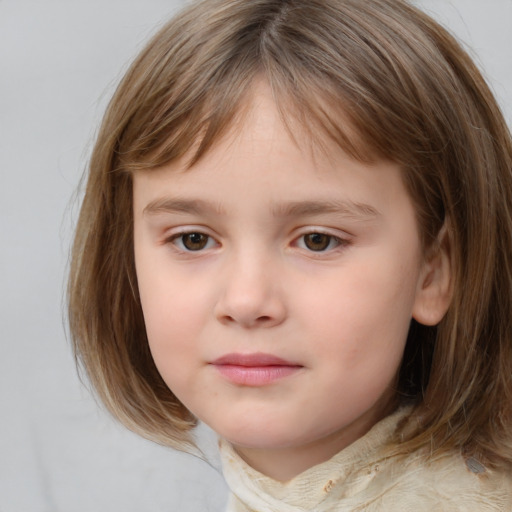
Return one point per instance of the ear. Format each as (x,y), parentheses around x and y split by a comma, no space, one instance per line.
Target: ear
(434,289)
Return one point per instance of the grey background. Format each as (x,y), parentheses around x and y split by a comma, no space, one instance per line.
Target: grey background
(59,63)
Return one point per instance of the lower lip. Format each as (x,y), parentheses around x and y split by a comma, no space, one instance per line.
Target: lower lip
(255,375)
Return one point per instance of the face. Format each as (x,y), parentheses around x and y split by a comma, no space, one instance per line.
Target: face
(277,286)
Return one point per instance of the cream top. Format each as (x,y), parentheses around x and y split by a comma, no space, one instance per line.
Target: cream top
(359,479)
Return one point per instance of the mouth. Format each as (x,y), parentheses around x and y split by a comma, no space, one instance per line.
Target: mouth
(254,369)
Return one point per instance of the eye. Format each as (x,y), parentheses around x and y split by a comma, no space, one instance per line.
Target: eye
(193,241)
(318,242)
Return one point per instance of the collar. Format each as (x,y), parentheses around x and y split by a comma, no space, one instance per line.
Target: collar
(347,473)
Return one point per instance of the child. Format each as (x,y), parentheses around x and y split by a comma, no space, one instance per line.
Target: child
(297,228)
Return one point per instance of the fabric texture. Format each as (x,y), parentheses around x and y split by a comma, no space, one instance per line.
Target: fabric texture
(359,478)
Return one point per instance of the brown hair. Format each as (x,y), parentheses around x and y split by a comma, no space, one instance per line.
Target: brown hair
(381,79)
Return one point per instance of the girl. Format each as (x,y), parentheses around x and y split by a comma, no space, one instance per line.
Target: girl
(297,229)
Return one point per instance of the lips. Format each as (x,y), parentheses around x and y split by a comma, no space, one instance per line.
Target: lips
(257,369)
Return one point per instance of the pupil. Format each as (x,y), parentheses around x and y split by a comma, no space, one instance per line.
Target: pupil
(317,241)
(194,241)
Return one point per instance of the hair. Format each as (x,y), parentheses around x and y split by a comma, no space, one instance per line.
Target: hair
(383,81)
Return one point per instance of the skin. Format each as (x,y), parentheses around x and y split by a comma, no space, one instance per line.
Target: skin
(255,282)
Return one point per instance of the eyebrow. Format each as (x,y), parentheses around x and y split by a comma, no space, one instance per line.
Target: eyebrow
(177,205)
(346,208)
(343,207)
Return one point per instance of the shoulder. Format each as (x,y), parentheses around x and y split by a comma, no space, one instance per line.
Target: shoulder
(447,483)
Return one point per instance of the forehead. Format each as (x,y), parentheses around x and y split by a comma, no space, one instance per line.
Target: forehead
(264,162)
(267,114)
(270,123)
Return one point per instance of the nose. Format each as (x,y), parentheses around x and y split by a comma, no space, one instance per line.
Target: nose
(251,294)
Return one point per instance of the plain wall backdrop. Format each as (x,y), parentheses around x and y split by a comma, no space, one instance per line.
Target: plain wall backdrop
(59,63)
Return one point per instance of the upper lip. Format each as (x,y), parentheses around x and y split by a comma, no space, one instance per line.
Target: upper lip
(252,360)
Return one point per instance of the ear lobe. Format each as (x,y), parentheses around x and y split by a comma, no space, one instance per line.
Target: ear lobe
(434,290)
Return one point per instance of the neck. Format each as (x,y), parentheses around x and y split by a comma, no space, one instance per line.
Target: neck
(285,463)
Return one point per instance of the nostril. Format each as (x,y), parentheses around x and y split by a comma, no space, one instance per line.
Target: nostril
(264,319)
(250,310)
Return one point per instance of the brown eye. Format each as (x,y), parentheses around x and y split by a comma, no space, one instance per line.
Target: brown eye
(317,241)
(194,241)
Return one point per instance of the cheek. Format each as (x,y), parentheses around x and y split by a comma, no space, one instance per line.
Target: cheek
(172,328)
(169,296)
(362,318)
(173,309)
(172,317)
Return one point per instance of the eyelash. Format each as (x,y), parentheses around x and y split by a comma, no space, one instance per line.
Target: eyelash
(325,238)
(178,241)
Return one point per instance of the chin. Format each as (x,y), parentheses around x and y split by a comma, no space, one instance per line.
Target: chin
(258,436)
(269,436)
